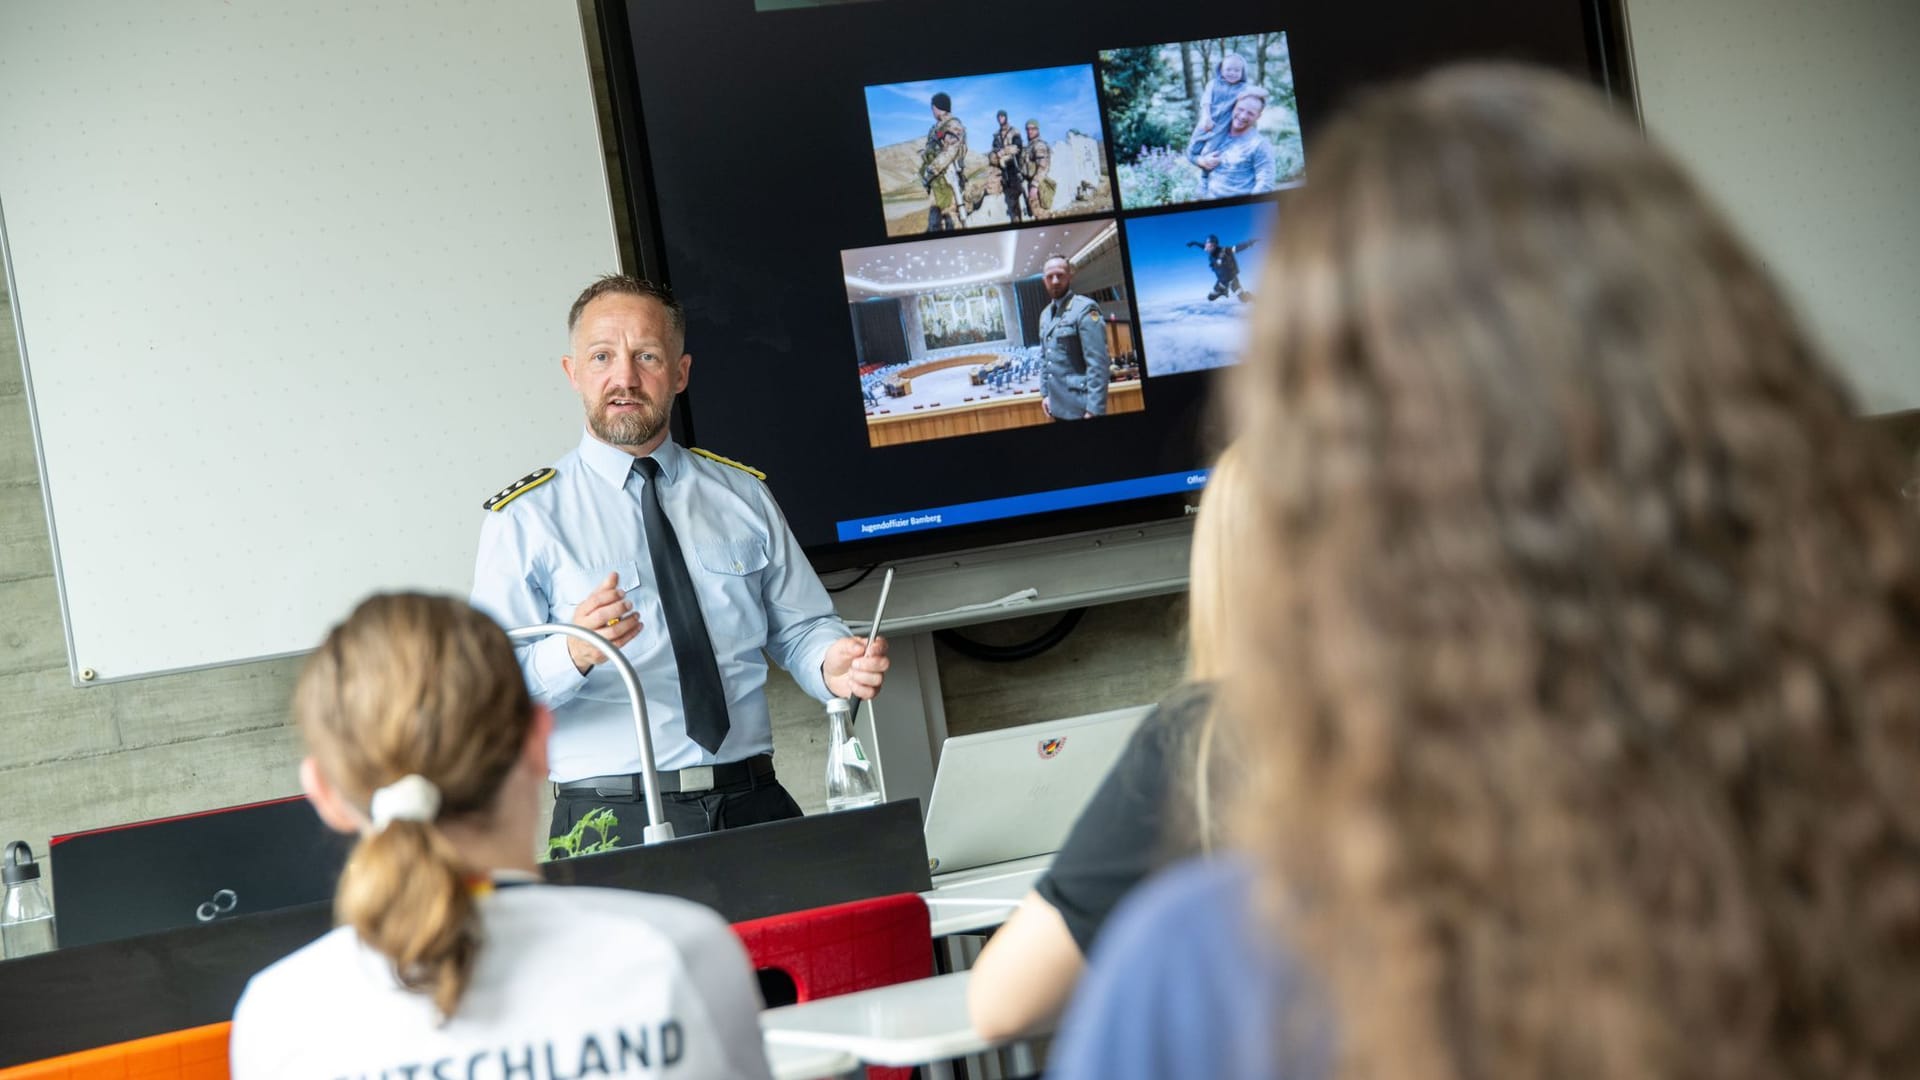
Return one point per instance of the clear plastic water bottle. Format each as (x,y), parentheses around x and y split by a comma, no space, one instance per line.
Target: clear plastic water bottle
(26,919)
(850,783)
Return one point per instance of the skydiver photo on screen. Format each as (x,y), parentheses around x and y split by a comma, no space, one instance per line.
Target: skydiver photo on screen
(1197,273)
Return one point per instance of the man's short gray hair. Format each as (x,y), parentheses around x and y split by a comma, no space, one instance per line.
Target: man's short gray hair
(628,285)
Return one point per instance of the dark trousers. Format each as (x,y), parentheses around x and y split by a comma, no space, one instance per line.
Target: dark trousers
(1015,189)
(729,806)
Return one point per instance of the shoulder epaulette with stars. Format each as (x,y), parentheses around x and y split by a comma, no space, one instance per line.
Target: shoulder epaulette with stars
(711,456)
(518,488)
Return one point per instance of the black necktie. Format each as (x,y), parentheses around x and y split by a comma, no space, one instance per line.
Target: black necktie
(701,693)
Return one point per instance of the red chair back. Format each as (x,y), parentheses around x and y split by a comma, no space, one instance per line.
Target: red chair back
(846,947)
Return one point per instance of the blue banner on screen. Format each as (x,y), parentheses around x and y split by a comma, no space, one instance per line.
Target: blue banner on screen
(1039,502)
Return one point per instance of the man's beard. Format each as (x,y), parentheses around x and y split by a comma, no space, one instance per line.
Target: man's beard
(636,428)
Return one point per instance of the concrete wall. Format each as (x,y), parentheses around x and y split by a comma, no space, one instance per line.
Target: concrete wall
(1120,654)
(1798,118)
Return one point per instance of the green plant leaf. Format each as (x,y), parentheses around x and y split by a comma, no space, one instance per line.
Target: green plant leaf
(600,821)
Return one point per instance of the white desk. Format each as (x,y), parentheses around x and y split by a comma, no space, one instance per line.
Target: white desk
(913,1023)
(810,1063)
(983,897)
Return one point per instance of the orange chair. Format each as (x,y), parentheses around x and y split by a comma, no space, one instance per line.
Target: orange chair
(194,1054)
(841,948)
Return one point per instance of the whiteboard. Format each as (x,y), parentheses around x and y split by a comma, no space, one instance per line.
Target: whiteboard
(1799,118)
(290,284)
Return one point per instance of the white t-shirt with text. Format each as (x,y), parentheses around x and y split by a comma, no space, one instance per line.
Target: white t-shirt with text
(570,982)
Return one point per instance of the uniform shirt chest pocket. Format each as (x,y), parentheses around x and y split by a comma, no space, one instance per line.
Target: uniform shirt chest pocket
(733,570)
(573,584)
(1066,337)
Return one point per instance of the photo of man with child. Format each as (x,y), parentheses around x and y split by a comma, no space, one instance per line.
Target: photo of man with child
(1194,121)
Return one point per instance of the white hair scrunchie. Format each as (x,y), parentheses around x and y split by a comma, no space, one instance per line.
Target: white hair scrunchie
(410,798)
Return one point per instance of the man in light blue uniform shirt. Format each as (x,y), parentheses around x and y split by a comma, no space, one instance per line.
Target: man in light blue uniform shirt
(570,545)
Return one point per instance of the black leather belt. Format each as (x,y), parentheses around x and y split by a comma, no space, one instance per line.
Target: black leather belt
(674,781)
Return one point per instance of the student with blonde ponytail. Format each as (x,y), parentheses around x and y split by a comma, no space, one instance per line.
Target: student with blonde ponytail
(451,958)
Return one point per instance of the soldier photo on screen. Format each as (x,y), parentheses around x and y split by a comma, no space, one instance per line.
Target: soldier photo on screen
(1005,159)
(1073,339)
(929,183)
(951,344)
(1036,161)
(943,168)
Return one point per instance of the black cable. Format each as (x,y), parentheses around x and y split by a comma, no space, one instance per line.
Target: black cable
(1007,654)
(862,577)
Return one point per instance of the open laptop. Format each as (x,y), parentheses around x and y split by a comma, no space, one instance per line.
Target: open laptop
(135,879)
(1012,793)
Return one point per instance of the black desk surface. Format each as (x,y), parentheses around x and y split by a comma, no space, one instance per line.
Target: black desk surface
(94,995)
(151,876)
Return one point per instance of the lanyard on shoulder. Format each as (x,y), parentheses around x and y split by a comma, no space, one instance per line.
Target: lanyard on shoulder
(480,885)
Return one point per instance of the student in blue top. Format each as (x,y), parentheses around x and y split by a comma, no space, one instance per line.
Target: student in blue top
(1579,714)
(574,544)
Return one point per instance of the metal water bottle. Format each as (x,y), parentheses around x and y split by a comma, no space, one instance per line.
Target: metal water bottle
(26,919)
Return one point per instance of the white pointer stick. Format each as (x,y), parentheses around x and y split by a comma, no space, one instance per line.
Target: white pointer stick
(873,631)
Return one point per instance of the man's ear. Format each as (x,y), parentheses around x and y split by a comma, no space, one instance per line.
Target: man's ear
(534,751)
(566,365)
(336,812)
(686,369)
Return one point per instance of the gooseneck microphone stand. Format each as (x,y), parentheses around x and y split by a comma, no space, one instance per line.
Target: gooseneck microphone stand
(658,827)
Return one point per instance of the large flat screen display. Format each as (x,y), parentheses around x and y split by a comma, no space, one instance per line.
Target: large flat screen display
(963,273)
